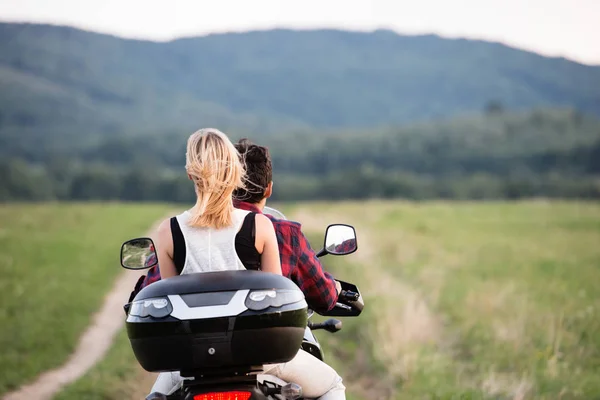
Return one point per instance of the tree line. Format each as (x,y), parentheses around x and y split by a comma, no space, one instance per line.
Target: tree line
(544,153)
(22,182)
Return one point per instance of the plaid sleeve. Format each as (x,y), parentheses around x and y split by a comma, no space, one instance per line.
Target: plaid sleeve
(318,286)
(145,280)
(153,276)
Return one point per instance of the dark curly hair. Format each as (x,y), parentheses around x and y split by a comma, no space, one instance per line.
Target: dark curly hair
(259,171)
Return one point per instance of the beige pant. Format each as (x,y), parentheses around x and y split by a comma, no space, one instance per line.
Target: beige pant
(317,379)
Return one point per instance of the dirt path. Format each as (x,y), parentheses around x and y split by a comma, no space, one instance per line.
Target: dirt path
(92,346)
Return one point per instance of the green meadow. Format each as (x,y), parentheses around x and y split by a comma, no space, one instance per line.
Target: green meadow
(57,262)
(469,300)
(463,300)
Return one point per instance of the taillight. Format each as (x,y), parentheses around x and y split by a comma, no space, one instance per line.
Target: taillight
(236,395)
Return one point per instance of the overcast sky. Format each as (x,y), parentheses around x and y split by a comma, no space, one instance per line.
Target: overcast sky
(568,28)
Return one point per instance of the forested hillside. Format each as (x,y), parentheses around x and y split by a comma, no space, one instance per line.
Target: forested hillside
(553,153)
(346,114)
(62,87)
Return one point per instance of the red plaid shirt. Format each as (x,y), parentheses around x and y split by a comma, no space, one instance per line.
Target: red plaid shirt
(298,262)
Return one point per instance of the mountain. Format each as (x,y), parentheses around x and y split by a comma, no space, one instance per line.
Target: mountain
(61,86)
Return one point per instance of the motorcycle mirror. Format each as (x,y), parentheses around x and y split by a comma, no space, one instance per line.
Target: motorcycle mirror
(322,252)
(138,254)
(340,239)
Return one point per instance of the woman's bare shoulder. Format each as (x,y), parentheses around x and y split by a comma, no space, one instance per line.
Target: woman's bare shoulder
(165,226)
(263,219)
(263,224)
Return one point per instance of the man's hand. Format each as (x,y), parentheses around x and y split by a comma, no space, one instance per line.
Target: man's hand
(338,286)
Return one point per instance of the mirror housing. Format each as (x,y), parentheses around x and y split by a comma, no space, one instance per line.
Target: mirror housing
(138,253)
(340,239)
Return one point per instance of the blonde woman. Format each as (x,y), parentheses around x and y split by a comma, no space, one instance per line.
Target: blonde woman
(212,235)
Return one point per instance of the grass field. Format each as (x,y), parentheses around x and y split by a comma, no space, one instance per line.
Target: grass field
(463,300)
(57,262)
(469,301)
(117,377)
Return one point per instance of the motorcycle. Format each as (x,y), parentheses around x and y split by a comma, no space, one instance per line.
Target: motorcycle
(218,329)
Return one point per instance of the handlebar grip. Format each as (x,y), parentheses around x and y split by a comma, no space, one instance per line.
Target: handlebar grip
(342,305)
(349,295)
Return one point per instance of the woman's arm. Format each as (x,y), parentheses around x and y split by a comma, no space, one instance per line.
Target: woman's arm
(266,244)
(164,249)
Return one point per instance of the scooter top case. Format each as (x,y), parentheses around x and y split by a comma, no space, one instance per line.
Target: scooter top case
(216,320)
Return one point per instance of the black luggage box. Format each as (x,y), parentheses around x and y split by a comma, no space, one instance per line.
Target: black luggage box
(216,320)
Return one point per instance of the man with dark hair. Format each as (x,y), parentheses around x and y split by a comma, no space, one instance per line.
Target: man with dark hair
(299,263)
(298,260)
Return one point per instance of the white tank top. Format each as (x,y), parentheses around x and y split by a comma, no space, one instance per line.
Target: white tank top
(210,249)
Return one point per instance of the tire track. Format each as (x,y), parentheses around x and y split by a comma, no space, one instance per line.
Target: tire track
(403,320)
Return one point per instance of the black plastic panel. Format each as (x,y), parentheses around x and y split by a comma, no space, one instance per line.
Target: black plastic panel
(313,350)
(240,348)
(266,346)
(160,328)
(295,319)
(221,281)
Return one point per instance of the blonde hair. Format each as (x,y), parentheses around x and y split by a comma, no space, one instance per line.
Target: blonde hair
(214,165)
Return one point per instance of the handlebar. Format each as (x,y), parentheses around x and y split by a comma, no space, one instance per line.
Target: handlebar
(349,295)
(349,302)
(344,306)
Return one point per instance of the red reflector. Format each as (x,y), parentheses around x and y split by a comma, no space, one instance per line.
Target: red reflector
(223,396)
